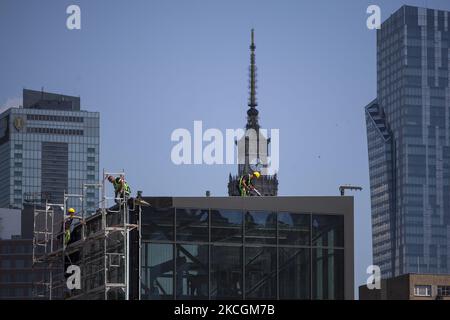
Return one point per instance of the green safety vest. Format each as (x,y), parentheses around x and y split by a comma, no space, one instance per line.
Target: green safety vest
(117,186)
(241,180)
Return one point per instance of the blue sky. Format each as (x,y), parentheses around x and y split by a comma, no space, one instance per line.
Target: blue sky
(150,67)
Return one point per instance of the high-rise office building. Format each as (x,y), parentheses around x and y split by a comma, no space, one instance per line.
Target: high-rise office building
(48,146)
(408,133)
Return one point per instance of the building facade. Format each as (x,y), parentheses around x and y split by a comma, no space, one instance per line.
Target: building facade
(10,223)
(17,274)
(16,271)
(253,147)
(216,248)
(246,248)
(48,147)
(410,287)
(408,133)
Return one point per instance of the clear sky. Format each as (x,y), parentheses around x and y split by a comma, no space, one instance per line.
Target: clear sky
(153,66)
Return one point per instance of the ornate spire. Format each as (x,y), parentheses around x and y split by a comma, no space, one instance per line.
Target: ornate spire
(252,112)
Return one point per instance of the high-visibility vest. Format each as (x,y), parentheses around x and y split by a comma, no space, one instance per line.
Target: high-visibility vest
(117,186)
(241,180)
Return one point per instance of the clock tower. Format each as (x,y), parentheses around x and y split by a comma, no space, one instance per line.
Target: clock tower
(254,145)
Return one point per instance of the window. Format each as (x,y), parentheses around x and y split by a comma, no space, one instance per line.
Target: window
(6,264)
(20,263)
(157,271)
(260,273)
(328,231)
(226,226)
(294,273)
(192,271)
(55,131)
(226,272)
(294,228)
(261,227)
(40,117)
(158,224)
(443,291)
(328,274)
(5,248)
(192,225)
(422,291)
(5,278)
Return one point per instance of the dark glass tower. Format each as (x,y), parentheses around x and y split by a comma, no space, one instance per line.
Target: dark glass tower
(253,147)
(408,133)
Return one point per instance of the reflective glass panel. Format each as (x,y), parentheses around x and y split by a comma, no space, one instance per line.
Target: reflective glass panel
(328,231)
(260,227)
(157,271)
(260,273)
(294,273)
(226,226)
(192,225)
(192,271)
(294,228)
(226,272)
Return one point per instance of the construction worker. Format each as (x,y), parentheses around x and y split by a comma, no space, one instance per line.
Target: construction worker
(68,224)
(121,188)
(246,183)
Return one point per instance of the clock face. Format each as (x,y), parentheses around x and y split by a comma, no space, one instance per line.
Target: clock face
(257,166)
(19,123)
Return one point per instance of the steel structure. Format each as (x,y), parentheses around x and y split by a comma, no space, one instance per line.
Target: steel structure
(98,245)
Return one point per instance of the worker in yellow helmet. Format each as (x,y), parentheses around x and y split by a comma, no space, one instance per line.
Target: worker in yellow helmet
(68,224)
(246,183)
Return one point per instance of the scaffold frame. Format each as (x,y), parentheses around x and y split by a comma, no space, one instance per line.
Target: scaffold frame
(101,251)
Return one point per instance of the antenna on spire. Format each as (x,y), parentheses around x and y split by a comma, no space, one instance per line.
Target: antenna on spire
(252,46)
(252,112)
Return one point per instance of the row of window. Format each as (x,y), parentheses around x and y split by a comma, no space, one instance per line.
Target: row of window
(426,291)
(68,132)
(15,292)
(15,263)
(16,277)
(43,117)
(235,226)
(16,249)
(189,271)
(89,149)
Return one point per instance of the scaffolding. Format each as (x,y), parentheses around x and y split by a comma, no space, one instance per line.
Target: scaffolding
(98,245)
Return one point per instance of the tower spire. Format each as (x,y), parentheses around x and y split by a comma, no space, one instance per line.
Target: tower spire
(252,112)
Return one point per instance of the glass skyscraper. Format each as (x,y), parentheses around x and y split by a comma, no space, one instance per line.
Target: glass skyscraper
(48,147)
(408,133)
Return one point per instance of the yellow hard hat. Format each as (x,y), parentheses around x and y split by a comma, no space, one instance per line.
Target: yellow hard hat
(71,210)
(256,174)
